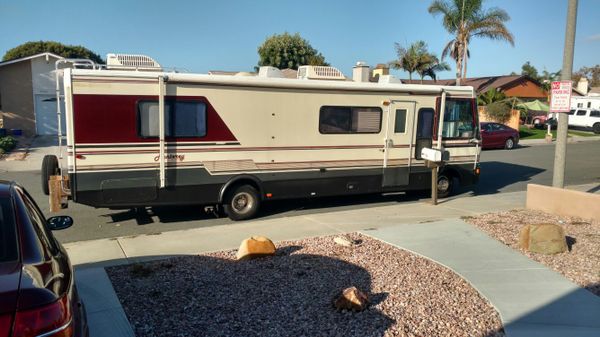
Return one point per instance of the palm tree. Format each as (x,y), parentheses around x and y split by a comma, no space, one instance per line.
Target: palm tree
(431,66)
(490,96)
(466,19)
(410,59)
(416,58)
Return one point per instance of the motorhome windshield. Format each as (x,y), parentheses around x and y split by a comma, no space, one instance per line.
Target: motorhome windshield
(459,119)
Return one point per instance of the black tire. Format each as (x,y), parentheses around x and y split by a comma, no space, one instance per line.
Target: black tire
(445,185)
(596,128)
(49,168)
(242,203)
(509,144)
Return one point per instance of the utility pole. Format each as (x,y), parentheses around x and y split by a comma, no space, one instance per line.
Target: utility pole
(560,154)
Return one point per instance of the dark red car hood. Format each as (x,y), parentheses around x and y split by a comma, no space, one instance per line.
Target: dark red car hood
(10,276)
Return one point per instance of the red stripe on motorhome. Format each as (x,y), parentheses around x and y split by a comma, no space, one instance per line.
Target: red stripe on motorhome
(113,119)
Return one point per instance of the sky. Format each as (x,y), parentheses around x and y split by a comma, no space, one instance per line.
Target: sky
(204,35)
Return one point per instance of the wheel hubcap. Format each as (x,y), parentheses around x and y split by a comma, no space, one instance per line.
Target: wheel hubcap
(242,202)
(443,184)
(509,143)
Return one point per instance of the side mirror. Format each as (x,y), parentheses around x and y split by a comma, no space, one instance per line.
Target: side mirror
(57,223)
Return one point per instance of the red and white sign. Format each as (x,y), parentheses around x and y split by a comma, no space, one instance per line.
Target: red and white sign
(560,101)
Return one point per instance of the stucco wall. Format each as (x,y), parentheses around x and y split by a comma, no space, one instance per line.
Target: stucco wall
(43,80)
(513,121)
(16,93)
(563,202)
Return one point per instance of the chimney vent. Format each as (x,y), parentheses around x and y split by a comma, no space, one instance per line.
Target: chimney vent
(360,72)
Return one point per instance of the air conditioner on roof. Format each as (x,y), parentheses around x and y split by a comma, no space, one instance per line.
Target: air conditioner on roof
(131,62)
(320,73)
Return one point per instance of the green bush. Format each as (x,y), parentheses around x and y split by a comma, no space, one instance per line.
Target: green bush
(499,111)
(7,143)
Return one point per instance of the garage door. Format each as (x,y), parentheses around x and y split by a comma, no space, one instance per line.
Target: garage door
(46,121)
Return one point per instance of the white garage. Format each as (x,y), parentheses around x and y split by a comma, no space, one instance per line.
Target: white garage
(28,96)
(46,120)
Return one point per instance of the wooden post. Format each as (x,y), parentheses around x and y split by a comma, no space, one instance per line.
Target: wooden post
(54,195)
(434,178)
(57,196)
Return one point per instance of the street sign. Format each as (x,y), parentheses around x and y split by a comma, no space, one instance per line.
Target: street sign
(560,101)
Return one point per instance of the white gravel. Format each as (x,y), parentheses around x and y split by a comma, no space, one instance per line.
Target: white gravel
(581,264)
(291,294)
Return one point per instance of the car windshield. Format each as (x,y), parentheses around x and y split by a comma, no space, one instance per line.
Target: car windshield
(8,238)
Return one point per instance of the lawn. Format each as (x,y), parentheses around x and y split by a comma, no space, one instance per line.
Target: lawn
(526,133)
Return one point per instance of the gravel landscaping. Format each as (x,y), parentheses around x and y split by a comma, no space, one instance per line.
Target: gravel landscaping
(291,294)
(581,264)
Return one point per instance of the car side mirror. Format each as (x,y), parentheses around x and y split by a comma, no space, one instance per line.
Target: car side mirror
(57,223)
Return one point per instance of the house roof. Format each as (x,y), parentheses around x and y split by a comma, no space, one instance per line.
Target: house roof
(46,54)
(480,84)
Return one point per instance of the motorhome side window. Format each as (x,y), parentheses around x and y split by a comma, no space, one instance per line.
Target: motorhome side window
(345,119)
(182,119)
(458,119)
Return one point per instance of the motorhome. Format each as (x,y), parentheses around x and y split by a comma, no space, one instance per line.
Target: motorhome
(137,135)
(586,102)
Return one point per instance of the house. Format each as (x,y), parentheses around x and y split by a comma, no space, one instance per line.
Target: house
(520,86)
(28,94)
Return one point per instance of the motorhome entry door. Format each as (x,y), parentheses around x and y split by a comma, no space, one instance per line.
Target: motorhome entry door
(397,146)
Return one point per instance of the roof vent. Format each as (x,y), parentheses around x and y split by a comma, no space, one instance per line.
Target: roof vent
(389,79)
(267,71)
(131,62)
(320,73)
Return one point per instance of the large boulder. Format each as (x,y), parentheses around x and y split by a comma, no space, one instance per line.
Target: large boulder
(543,238)
(351,299)
(255,246)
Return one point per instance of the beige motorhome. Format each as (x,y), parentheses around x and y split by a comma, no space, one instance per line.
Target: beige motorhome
(145,137)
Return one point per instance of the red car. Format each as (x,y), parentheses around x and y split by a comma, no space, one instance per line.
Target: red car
(38,296)
(495,135)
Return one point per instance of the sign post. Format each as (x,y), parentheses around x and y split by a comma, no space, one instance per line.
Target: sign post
(560,101)
(560,152)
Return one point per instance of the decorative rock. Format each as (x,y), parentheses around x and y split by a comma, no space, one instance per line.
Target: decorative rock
(543,238)
(351,299)
(255,246)
(342,241)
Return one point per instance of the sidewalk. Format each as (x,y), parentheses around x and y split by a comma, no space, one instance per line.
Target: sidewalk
(570,140)
(531,299)
(502,275)
(30,152)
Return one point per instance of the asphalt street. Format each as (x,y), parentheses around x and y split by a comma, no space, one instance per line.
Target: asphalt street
(502,171)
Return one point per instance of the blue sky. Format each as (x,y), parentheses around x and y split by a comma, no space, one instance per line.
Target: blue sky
(208,35)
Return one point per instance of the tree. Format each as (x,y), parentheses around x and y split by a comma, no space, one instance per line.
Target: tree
(431,66)
(416,58)
(529,70)
(547,78)
(411,58)
(466,19)
(288,51)
(499,111)
(592,74)
(36,47)
(490,96)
